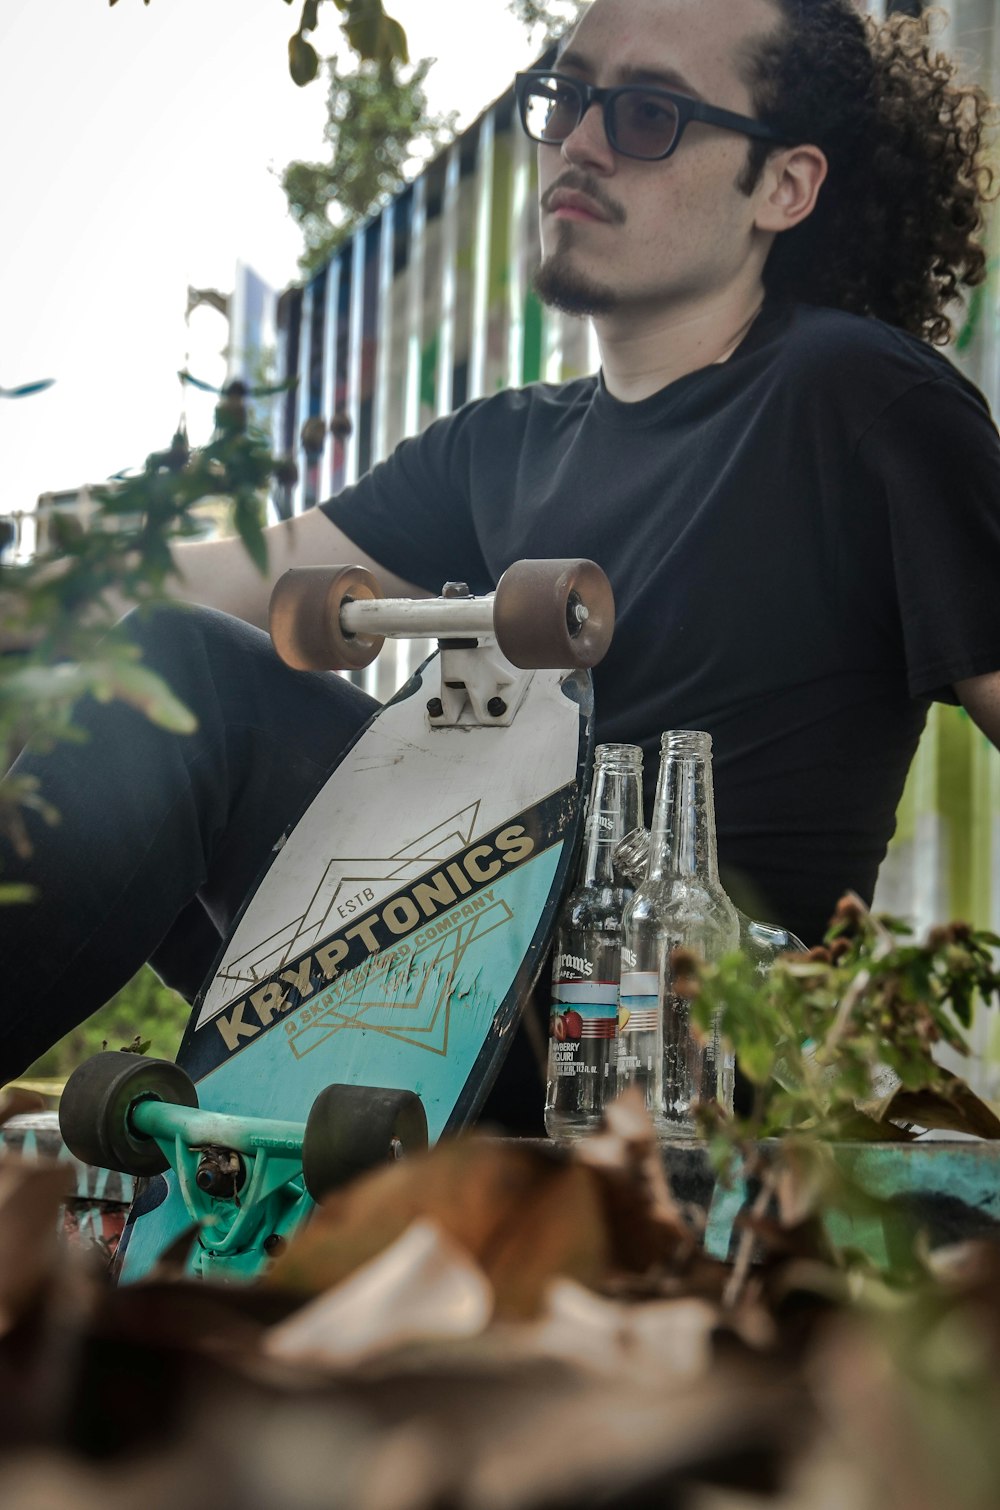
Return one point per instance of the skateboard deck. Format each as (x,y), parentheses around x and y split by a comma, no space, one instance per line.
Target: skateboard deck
(398,930)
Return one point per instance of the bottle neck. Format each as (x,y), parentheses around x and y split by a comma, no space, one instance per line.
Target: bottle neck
(614,809)
(682,840)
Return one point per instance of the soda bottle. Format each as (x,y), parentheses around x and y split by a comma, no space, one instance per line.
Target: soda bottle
(679,905)
(584,1016)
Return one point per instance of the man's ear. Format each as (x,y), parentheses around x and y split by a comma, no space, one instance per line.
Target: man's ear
(789,186)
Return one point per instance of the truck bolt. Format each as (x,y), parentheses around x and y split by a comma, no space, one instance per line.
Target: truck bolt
(435,707)
(496,707)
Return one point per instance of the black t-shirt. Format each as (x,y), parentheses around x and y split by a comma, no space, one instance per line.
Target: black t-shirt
(804,545)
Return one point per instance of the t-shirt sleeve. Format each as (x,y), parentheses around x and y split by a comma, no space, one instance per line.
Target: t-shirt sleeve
(412,512)
(936,455)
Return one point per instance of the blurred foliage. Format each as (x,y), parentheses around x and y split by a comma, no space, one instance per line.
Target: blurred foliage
(839,1042)
(59,609)
(546,20)
(838,1045)
(368,31)
(562,1296)
(144,1008)
(378,122)
(375,36)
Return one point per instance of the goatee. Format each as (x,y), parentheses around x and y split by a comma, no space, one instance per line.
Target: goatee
(562,286)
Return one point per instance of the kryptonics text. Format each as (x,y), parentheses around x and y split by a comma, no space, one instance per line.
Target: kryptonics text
(391,921)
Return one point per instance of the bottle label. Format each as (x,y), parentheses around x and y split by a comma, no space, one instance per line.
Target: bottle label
(639,1002)
(583,1009)
(583,1026)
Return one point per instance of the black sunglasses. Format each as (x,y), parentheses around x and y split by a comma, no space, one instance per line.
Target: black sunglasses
(640,120)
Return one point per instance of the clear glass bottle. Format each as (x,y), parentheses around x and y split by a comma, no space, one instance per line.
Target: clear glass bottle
(679,905)
(762,942)
(583,1024)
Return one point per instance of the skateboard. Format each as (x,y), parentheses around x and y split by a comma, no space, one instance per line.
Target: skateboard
(368,992)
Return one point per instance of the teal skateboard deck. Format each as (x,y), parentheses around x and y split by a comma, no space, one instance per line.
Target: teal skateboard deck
(398,930)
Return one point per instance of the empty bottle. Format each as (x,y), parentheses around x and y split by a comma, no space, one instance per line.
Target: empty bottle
(680,905)
(761,942)
(582,1070)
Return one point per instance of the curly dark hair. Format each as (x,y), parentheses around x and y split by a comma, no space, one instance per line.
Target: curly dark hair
(896,230)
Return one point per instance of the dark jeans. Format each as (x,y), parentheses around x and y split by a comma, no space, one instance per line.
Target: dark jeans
(161,836)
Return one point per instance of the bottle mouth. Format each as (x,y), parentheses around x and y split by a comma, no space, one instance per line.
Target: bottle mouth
(629,756)
(681,742)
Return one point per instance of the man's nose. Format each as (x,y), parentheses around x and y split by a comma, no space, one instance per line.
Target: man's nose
(588,142)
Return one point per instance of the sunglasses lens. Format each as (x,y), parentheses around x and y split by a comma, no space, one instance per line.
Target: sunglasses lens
(643,124)
(551,110)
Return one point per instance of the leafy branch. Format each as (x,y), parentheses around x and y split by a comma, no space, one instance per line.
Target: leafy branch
(378,122)
(58,610)
(375,36)
(839,1042)
(369,31)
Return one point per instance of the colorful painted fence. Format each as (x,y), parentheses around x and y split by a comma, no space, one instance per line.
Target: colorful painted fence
(430,305)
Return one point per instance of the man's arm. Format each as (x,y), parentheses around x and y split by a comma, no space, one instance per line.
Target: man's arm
(220,574)
(980,697)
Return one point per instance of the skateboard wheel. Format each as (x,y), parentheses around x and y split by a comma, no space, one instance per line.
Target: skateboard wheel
(305,618)
(94,1109)
(354,1128)
(553,614)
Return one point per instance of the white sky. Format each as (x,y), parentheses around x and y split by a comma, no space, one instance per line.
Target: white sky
(141,148)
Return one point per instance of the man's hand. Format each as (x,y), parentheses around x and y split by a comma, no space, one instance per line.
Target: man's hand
(980,697)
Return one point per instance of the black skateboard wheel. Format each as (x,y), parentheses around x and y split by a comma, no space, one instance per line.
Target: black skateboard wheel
(554,614)
(305,618)
(352,1128)
(94,1109)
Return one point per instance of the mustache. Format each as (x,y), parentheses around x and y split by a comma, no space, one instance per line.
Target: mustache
(585,183)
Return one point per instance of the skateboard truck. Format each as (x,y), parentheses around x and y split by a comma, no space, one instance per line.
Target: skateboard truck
(247,1182)
(557,613)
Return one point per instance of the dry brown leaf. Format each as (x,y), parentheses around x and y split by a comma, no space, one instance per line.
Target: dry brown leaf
(627,1144)
(422,1286)
(523,1214)
(31,1196)
(953,1108)
(648,1229)
(657,1340)
(15,1101)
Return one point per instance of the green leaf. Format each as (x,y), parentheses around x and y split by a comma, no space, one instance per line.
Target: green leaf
(247,517)
(147,692)
(369,31)
(310,16)
(757,1061)
(125,680)
(303,60)
(50,684)
(396,40)
(18,891)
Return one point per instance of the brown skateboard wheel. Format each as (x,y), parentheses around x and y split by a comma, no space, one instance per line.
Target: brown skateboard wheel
(554,614)
(305,618)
